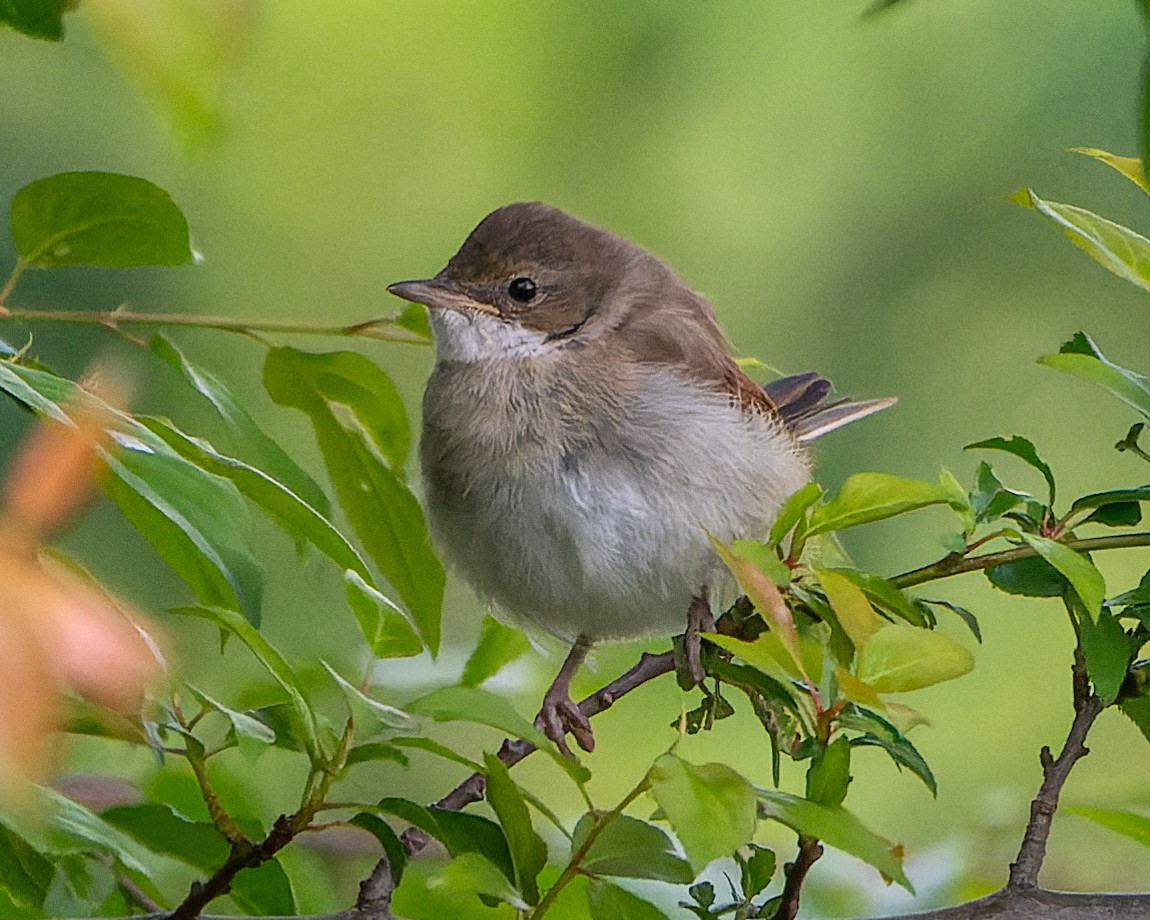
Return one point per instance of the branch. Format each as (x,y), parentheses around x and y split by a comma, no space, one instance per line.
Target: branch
(954,564)
(512,751)
(796,872)
(1087,706)
(384,328)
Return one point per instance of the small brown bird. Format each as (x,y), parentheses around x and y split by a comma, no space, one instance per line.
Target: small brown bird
(585,429)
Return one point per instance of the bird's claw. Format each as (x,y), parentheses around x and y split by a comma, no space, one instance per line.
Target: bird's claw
(560,715)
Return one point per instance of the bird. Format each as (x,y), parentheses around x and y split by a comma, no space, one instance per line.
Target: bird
(587,431)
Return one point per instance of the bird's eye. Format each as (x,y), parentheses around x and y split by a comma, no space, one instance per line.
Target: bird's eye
(521,289)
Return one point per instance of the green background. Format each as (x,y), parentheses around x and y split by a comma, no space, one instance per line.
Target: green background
(836,186)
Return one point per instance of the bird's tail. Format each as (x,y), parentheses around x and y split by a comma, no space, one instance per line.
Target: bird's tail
(801,400)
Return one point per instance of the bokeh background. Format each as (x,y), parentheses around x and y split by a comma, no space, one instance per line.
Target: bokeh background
(836,186)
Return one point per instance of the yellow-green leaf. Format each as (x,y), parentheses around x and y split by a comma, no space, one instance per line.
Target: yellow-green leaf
(854,612)
(900,657)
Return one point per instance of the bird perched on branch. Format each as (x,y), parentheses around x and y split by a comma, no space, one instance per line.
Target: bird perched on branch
(585,430)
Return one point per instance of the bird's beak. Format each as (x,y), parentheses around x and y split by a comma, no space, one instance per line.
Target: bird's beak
(440,294)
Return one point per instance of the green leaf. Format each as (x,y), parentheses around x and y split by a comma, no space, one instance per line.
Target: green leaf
(1082,358)
(867,497)
(161,829)
(757,870)
(383,624)
(267,456)
(792,511)
(1112,497)
(711,808)
(76,822)
(990,499)
(1136,597)
(264,890)
(35,18)
(1116,248)
(962,613)
(829,774)
(413,318)
(1137,710)
(883,594)
(900,657)
(1127,823)
(837,827)
(459,832)
(1108,654)
(498,645)
(1116,514)
(851,607)
(451,890)
(1130,167)
(629,848)
(440,750)
(307,730)
(1086,580)
(878,732)
(362,432)
(191,518)
(1031,576)
(97,218)
(610,902)
(368,710)
(243,724)
(388,839)
(371,751)
(1023,449)
(760,588)
(528,852)
(467,704)
(764,558)
(25,873)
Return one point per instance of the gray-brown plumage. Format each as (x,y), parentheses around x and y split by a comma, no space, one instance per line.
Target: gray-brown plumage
(585,428)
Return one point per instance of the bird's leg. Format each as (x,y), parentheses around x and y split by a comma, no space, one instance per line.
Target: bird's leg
(559,714)
(699,619)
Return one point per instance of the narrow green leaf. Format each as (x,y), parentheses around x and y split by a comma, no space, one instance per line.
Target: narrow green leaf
(383,624)
(837,827)
(439,750)
(467,704)
(78,823)
(1086,580)
(362,433)
(369,711)
(1112,497)
(1108,654)
(1023,449)
(829,774)
(1031,576)
(265,890)
(97,218)
(373,751)
(388,839)
(610,902)
(25,873)
(900,657)
(711,808)
(1116,248)
(1116,514)
(1126,823)
(266,454)
(878,732)
(528,851)
(34,18)
(1130,167)
(867,497)
(630,848)
(161,829)
(793,509)
(883,594)
(990,499)
(1082,358)
(243,724)
(498,645)
(1137,710)
(438,892)
(962,613)
(851,607)
(273,662)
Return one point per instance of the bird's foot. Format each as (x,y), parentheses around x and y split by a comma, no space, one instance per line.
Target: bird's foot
(699,619)
(560,715)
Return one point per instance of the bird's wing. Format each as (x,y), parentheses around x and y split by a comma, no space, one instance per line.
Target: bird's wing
(802,402)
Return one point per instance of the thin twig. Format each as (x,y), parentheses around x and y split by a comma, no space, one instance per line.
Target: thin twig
(384,328)
(796,872)
(512,751)
(954,564)
(1055,771)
